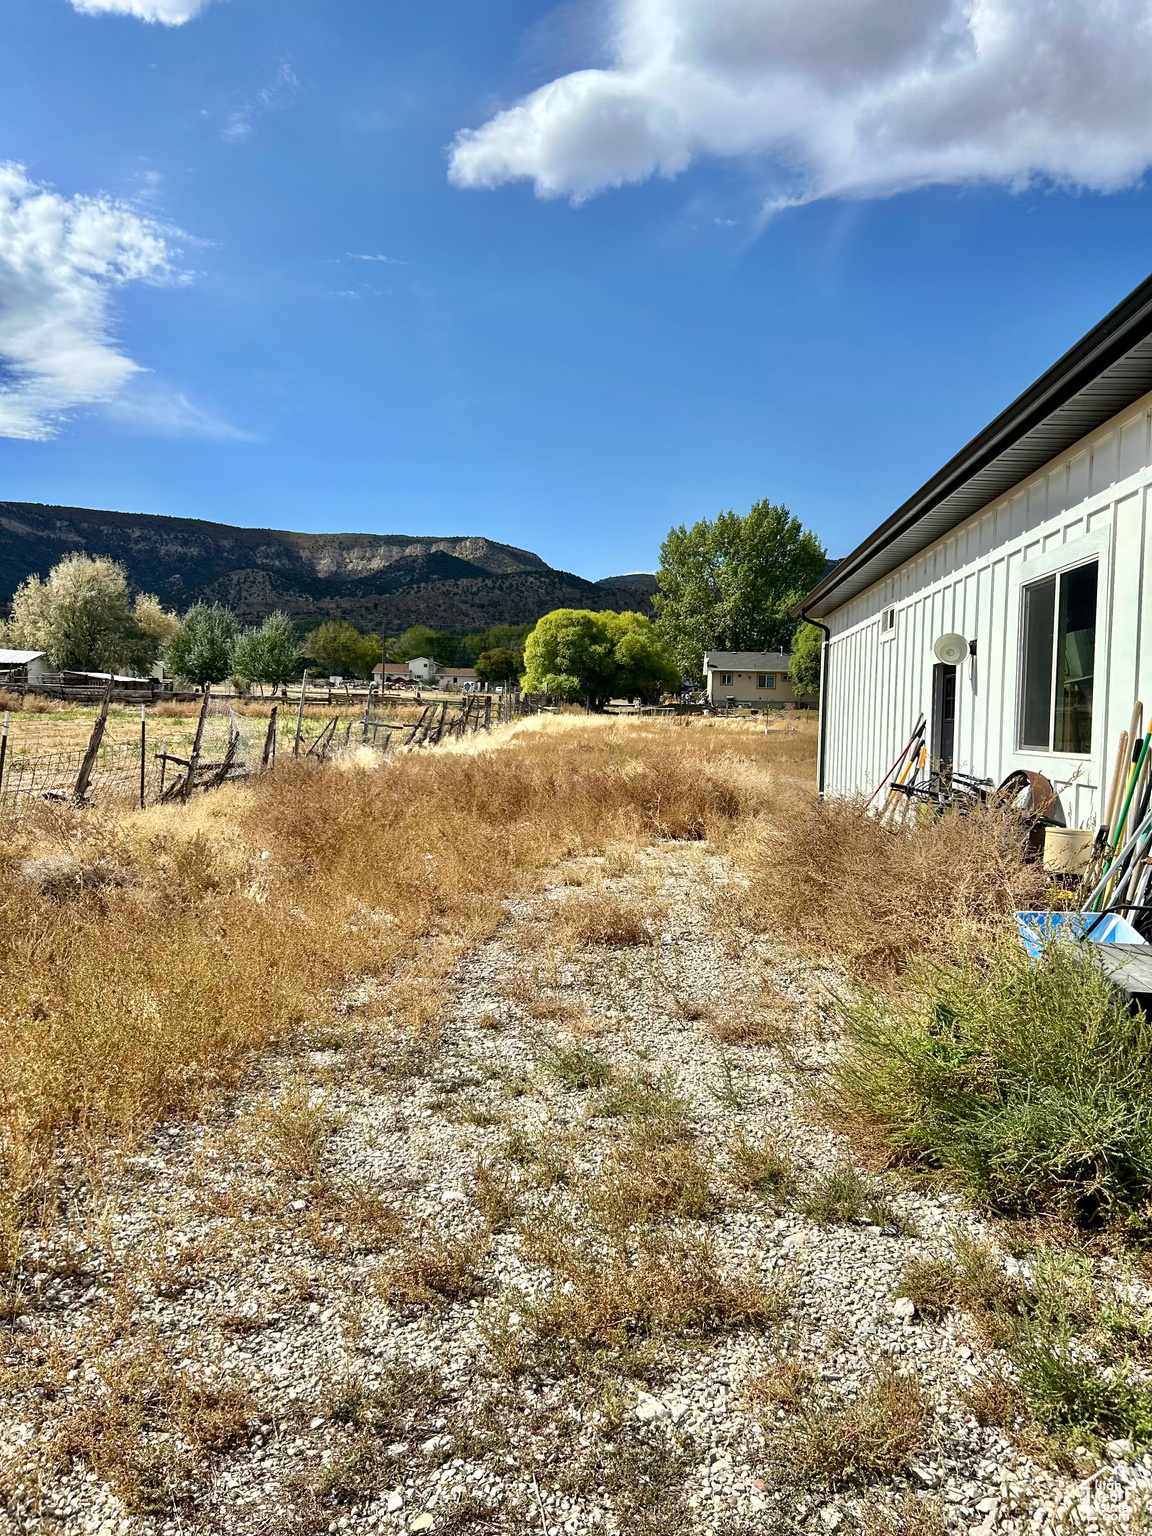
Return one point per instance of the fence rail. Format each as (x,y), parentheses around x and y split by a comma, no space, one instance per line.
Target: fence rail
(229,746)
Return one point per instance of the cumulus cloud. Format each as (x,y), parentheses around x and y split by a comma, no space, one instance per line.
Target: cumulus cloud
(61,259)
(170,13)
(840,97)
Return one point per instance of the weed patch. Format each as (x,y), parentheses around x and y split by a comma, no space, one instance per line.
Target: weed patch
(434,1273)
(1030,1084)
(832,1445)
(762,1168)
(644,1181)
(574,1067)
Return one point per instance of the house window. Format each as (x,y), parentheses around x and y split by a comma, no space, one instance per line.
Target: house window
(766,680)
(725,679)
(1059,661)
(888,621)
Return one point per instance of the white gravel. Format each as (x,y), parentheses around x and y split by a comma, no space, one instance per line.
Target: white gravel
(199,1249)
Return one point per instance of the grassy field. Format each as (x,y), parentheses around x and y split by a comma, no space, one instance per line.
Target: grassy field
(193,935)
(596,1053)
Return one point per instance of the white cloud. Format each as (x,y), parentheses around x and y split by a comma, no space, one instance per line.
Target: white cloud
(158,411)
(848,97)
(170,13)
(61,258)
(270,99)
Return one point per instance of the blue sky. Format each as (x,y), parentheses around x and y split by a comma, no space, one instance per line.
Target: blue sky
(653,280)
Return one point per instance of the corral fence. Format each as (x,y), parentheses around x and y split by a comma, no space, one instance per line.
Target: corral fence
(226,745)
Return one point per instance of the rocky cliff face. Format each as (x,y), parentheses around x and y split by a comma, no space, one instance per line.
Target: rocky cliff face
(377,580)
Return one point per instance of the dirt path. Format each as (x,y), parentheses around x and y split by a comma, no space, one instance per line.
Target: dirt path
(575,1257)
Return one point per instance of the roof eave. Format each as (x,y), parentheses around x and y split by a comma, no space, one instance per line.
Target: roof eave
(1106,347)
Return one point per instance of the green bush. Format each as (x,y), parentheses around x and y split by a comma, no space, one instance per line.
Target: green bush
(1029,1084)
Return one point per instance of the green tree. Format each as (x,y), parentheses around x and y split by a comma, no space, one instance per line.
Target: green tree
(498,666)
(341,650)
(727,585)
(419,640)
(268,655)
(576,654)
(499,637)
(201,649)
(83,618)
(804,667)
(646,667)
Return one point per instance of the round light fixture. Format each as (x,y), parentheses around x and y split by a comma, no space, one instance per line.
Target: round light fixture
(951,649)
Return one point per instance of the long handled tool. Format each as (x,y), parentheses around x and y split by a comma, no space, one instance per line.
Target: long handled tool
(917,733)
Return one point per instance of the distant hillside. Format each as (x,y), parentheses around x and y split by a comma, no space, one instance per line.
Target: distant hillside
(382,581)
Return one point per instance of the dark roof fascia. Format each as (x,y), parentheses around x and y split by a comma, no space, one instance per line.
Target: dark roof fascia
(1103,373)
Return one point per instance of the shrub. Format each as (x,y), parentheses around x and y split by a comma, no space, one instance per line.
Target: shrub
(831,879)
(1029,1084)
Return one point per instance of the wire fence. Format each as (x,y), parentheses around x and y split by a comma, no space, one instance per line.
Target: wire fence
(225,746)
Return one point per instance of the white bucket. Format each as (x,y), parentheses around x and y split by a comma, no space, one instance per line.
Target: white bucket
(1067,850)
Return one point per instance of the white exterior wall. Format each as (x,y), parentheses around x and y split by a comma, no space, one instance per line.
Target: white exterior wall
(1093,500)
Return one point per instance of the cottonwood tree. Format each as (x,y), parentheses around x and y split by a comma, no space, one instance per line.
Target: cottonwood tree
(201,649)
(498,666)
(728,584)
(341,650)
(83,618)
(576,654)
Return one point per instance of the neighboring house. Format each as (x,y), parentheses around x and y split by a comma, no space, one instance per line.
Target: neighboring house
(463,678)
(422,669)
(1031,550)
(392,671)
(759,678)
(25,669)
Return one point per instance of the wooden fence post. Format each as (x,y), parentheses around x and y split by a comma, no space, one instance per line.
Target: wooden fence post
(300,715)
(487,711)
(194,759)
(367,706)
(86,767)
(270,739)
(163,766)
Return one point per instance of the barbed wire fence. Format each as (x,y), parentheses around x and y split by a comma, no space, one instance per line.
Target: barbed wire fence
(226,746)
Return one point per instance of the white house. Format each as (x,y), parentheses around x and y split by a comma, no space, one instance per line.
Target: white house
(757,678)
(30,669)
(1031,548)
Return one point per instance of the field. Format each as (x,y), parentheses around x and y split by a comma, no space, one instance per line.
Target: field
(529,1133)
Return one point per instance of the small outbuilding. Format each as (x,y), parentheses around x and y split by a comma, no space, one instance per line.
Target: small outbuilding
(1009,600)
(739,679)
(25,669)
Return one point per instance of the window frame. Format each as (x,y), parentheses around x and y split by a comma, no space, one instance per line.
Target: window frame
(888,623)
(1089,549)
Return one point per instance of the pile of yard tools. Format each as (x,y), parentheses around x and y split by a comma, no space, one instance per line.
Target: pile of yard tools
(913,778)
(1120,873)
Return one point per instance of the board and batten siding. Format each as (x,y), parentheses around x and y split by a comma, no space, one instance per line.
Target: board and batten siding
(1092,501)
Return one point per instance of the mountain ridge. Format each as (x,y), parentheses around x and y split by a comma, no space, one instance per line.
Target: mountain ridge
(375,580)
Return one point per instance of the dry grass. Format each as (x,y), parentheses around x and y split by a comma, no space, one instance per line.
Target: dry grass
(647,1179)
(245,913)
(656,1285)
(763,1168)
(832,880)
(151,1427)
(874,1436)
(296,1128)
(434,1272)
(607,918)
